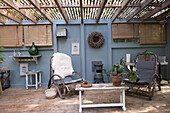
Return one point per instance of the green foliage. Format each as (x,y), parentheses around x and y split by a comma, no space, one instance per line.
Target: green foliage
(2,54)
(133,76)
(146,51)
(118,68)
(85,82)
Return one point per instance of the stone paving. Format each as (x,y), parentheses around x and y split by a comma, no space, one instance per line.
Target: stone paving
(20,100)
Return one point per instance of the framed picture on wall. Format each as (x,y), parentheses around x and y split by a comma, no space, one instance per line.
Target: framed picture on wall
(75,48)
(23,68)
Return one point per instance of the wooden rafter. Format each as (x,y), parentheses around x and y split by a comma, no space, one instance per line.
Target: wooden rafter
(137,10)
(10,16)
(3,21)
(25,13)
(77,6)
(62,11)
(5,7)
(124,4)
(42,11)
(81,9)
(101,10)
(163,15)
(157,9)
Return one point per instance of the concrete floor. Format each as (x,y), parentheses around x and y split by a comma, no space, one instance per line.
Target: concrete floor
(20,100)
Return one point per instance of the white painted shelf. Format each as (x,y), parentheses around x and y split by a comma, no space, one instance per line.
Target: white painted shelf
(26,58)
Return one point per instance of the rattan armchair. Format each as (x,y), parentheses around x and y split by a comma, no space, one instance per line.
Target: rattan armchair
(65,85)
(147,71)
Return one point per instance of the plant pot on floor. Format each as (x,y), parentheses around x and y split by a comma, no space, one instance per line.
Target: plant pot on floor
(116,79)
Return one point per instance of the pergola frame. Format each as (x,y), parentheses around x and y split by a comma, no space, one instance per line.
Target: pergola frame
(65,10)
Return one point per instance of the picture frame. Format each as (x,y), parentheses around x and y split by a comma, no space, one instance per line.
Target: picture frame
(76,48)
(23,68)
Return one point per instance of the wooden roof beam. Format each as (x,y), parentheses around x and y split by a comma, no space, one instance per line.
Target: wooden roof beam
(42,11)
(81,9)
(5,7)
(62,11)
(10,16)
(3,21)
(157,9)
(124,4)
(100,10)
(23,12)
(163,15)
(137,10)
(77,6)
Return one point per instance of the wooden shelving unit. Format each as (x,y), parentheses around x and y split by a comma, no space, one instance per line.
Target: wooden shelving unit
(26,58)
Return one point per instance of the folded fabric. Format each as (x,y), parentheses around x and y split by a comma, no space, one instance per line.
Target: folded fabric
(62,65)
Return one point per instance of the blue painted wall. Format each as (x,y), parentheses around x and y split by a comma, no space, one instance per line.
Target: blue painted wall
(110,53)
(168,48)
(93,54)
(43,65)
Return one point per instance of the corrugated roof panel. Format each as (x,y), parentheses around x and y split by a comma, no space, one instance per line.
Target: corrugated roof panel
(108,13)
(36,14)
(126,12)
(160,12)
(3,17)
(144,11)
(22,2)
(17,14)
(2,3)
(73,11)
(90,13)
(54,13)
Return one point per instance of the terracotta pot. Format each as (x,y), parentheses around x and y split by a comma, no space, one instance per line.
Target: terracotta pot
(116,79)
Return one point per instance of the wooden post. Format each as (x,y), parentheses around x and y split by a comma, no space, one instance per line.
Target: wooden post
(1,91)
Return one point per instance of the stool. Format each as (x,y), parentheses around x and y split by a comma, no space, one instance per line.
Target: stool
(37,78)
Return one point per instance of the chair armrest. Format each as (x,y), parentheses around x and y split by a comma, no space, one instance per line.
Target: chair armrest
(64,86)
(62,80)
(152,77)
(79,75)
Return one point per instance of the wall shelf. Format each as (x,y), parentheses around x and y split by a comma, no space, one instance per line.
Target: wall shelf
(26,58)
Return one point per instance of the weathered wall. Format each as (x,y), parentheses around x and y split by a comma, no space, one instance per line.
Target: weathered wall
(110,53)
(168,48)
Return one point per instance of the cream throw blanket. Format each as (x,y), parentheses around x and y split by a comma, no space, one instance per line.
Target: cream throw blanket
(62,65)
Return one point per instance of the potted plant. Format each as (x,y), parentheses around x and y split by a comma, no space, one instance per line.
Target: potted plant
(86,84)
(116,72)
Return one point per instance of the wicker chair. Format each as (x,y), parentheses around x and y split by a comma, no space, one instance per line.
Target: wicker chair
(65,85)
(146,69)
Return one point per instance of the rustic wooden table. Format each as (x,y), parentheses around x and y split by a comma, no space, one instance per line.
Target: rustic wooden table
(104,86)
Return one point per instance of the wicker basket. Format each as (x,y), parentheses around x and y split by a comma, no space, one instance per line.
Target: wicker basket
(50,93)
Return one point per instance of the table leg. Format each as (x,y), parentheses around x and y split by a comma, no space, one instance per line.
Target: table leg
(121,97)
(123,94)
(36,80)
(26,81)
(80,102)
(1,88)
(160,74)
(40,78)
(31,79)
